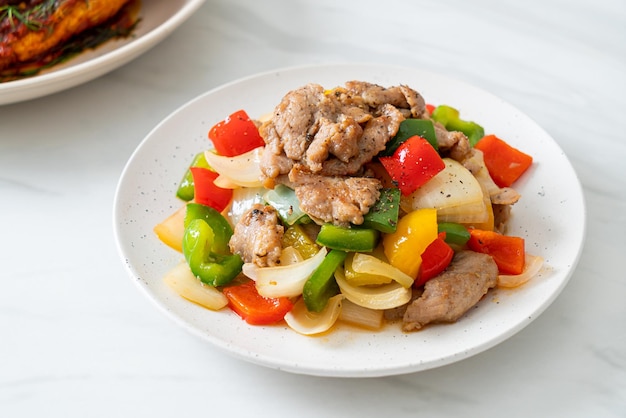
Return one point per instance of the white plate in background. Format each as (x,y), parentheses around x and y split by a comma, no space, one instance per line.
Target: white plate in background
(159,18)
(550,216)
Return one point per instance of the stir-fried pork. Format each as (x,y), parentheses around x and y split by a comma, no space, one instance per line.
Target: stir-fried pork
(318,142)
(448,296)
(339,200)
(257,236)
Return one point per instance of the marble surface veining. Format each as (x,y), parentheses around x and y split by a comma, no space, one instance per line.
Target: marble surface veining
(78,340)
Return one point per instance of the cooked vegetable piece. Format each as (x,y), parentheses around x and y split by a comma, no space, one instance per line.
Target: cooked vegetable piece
(366,269)
(321,286)
(235,135)
(409,128)
(242,170)
(383,216)
(282,280)
(505,163)
(255,309)
(403,248)
(532,265)
(455,233)
(360,316)
(435,258)
(285,201)
(449,117)
(206,192)
(220,226)
(348,239)
(305,322)
(454,192)
(508,252)
(186,284)
(209,266)
(171,230)
(243,200)
(185,190)
(413,164)
(205,245)
(296,237)
(386,296)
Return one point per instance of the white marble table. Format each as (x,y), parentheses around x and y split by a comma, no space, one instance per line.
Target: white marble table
(78,340)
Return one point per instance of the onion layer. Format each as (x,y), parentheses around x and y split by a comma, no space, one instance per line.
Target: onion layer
(386,296)
(454,192)
(273,282)
(364,269)
(301,320)
(531,267)
(187,285)
(239,171)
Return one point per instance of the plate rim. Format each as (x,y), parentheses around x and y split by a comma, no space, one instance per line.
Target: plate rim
(338,372)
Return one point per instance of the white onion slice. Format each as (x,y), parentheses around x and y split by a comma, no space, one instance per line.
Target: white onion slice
(243,199)
(532,266)
(187,285)
(369,265)
(242,170)
(386,296)
(301,320)
(273,282)
(360,316)
(454,192)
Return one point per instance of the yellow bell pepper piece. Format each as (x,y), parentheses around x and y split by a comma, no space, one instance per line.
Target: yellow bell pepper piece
(296,237)
(404,247)
(172,229)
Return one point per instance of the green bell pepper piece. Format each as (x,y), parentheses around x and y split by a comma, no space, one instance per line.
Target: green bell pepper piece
(383,216)
(199,244)
(455,233)
(449,118)
(409,128)
(185,189)
(220,226)
(286,203)
(348,239)
(205,246)
(321,286)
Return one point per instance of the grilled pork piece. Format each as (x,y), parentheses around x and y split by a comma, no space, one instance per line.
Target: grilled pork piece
(319,141)
(448,296)
(257,236)
(43,25)
(340,200)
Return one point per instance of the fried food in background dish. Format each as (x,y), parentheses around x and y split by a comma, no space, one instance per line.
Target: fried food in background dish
(33,33)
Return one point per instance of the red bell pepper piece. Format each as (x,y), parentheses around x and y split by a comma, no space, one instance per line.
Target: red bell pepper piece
(205,190)
(255,309)
(508,252)
(235,135)
(505,163)
(435,259)
(413,164)
(430,108)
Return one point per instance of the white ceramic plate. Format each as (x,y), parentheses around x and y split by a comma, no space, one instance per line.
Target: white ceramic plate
(550,215)
(159,18)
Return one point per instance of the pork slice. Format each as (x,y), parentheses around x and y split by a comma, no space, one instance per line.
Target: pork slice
(416,102)
(257,236)
(294,122)
(452,143)
(340,200)
(274,164)
(339,139)
(376,133)
(452,293)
